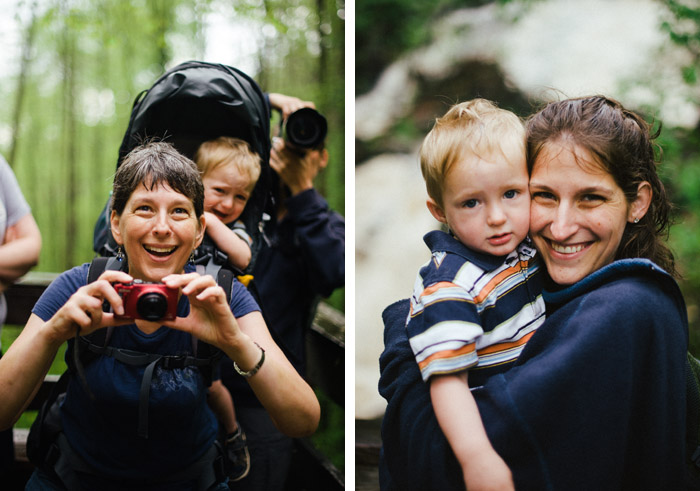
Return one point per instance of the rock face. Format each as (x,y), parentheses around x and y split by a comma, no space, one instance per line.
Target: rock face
(389,250)
(555,49)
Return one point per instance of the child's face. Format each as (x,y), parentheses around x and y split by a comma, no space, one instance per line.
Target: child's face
(226,192)
(486,203)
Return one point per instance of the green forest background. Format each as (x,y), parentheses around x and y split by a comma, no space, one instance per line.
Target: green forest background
(386,30)
(80,64)
(71,70)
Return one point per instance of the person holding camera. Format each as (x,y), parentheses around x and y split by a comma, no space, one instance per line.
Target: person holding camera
(302,258)
(127,426)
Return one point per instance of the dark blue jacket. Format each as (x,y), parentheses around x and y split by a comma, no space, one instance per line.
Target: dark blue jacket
(303,261)
(596,400)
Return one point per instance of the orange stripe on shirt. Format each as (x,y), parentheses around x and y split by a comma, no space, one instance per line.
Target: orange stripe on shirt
(498,279)
(436,286)
(505,346)
(464,350)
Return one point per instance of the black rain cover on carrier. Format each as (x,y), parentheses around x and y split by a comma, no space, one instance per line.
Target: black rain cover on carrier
(195,102)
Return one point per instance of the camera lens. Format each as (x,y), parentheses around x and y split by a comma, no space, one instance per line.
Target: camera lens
(306,128)
(152,306)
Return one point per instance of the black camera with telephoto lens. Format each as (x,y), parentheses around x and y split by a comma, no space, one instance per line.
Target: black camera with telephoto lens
(148,301)
(304,129)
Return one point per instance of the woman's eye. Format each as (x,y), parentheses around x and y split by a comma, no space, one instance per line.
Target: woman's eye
(180,211)
(542,195)
(592,197)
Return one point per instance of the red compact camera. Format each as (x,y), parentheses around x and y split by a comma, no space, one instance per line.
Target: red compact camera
(148,301)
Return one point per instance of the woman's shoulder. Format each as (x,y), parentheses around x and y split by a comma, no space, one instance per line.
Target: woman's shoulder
(629,278)
(72,278)
(623,291)
(60,289)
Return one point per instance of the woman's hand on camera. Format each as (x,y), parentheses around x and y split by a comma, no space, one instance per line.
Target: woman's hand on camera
(83,311)
(210,318)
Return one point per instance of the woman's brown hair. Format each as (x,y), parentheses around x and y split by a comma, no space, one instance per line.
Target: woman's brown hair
(622,142)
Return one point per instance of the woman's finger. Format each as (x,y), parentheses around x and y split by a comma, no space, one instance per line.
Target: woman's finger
(103,289)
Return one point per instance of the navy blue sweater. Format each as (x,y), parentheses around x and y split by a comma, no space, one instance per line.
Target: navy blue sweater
(303,261)
(595,401)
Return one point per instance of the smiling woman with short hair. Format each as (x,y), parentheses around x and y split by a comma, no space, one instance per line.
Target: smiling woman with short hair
(129,426)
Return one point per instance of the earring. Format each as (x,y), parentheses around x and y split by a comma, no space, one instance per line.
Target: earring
(191,262)
(636,220)
(120,253)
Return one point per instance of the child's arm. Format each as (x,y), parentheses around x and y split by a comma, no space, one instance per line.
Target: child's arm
(221,403)
(237,249)
(459,419)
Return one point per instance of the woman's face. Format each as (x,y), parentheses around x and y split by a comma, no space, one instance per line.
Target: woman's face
(158,230)
(577,213)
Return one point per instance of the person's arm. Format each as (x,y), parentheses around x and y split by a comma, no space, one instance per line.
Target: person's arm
(288,399)
(228,242)
(21,249)
(459,419)
(221,402)
(27,360)
(415,453)
(319,230)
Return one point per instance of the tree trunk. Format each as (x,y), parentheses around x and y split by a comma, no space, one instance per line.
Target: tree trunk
(27,46)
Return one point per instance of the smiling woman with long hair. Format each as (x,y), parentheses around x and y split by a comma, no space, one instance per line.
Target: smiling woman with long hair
(596,399)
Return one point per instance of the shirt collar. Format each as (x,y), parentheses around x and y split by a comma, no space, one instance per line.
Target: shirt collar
(437,240)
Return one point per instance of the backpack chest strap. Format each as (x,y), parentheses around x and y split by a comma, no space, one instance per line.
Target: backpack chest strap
(150,361)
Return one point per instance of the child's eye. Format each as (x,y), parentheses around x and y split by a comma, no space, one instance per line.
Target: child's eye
(241,197)
(470,203)
(510,194)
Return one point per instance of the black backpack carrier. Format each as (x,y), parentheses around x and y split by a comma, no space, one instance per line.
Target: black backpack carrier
(192,103)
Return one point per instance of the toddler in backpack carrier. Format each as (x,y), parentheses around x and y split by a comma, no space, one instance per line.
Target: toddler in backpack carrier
(230,170)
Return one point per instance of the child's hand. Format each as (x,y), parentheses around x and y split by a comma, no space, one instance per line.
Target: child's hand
(488,472)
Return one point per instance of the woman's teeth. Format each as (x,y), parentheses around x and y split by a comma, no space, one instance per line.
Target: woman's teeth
(567,249)
(160,251)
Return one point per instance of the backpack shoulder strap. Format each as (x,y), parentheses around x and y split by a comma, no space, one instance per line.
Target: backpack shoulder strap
(98,266)
(80,355)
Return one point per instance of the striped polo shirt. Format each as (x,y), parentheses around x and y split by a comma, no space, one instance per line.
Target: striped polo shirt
(473,311)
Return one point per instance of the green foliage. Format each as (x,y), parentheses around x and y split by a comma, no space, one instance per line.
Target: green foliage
(87,62)
(680,172)
(329,439)
(683,28)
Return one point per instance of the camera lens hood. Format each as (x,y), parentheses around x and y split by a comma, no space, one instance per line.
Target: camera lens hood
(306,128)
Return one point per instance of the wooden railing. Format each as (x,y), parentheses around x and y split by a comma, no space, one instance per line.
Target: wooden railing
(325,370)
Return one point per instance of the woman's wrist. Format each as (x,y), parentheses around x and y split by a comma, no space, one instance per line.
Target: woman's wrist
(245,353)
(255,369)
